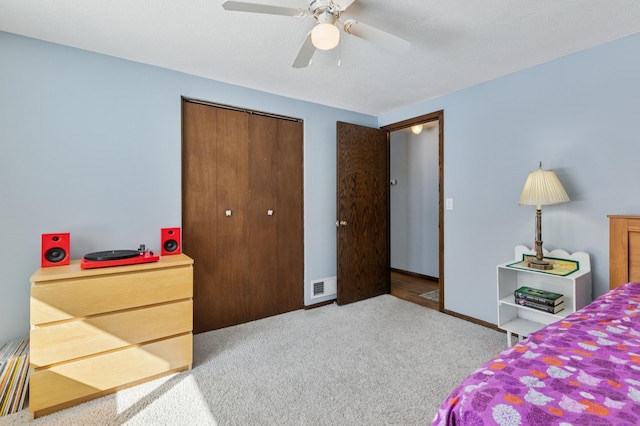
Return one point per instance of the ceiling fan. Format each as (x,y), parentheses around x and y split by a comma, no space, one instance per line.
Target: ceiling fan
(325,35)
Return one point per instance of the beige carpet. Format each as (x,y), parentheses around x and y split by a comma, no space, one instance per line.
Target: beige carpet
(379,361)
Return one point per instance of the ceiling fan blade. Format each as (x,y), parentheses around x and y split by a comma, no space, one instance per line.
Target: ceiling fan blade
(378,37)
(305,53)
(343,4)
(240,6)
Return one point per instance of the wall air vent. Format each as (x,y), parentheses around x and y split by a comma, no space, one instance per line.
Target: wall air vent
(318,288)
(323,287)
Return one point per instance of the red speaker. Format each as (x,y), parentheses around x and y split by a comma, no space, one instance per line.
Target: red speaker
(170,240)
(55,249)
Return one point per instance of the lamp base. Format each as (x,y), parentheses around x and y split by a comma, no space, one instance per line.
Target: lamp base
(539,264)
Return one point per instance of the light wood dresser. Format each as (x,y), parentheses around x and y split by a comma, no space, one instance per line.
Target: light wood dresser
(95,331)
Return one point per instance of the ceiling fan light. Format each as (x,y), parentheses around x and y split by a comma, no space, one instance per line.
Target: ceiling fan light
(325,36)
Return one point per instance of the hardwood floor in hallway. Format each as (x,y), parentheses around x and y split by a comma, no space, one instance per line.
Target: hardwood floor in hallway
(409,287)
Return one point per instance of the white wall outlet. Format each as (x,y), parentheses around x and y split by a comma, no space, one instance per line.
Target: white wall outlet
(449,204)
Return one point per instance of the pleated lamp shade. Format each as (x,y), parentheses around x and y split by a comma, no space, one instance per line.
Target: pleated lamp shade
(543,188)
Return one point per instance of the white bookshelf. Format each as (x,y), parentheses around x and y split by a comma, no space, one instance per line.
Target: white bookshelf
(522,320)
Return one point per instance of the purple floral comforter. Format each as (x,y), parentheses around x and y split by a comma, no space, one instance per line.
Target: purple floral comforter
(582,370)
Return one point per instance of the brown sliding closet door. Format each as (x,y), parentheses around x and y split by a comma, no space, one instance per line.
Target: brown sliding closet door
(229,274)
(290,216)
(242,214)
(275,179)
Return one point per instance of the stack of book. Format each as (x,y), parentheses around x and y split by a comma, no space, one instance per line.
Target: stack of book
(547,301)
(14,376)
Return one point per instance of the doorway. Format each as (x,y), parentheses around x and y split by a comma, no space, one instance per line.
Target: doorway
(416,209)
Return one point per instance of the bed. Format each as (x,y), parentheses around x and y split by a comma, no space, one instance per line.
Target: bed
(581,370)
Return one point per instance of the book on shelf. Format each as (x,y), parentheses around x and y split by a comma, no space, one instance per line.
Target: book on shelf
(539,296)
(539,306)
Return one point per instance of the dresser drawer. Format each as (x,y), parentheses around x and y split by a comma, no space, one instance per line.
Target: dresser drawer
(72,298)
(69,340)
(66,384)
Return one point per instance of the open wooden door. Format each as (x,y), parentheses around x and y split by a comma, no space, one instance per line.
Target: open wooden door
(363,213)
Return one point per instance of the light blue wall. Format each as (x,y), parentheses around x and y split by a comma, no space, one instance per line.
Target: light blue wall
(414,202)
(91,146)
(398,198)
(579,116)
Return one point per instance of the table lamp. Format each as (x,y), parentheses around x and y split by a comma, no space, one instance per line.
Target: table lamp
(542,188)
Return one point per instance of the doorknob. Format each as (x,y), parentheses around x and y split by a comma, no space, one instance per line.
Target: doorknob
(227,212)
(343,222)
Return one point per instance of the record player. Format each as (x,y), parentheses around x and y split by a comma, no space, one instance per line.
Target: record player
(103,259)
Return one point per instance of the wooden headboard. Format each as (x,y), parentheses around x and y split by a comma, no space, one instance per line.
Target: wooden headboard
(624,250)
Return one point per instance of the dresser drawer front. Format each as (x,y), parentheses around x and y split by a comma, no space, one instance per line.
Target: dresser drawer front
(75,339)
(97,376)
(63,300)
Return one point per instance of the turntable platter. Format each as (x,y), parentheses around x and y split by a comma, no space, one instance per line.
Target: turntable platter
(111,255)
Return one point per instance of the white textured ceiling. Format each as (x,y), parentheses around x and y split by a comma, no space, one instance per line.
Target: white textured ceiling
(454,43)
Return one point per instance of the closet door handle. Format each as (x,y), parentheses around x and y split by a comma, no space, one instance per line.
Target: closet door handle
(269,212)
(227,212)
